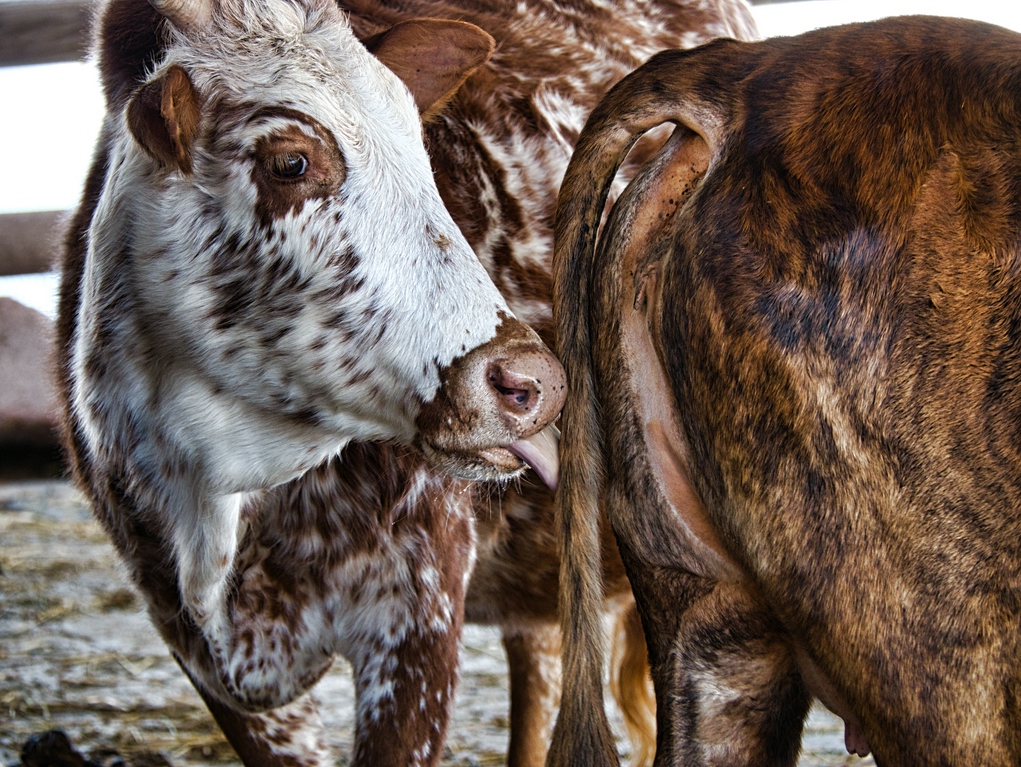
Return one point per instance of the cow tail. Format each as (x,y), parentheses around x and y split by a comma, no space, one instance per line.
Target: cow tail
(640,102)
(631,685)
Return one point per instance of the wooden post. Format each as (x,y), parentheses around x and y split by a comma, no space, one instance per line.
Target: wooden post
(29,242)
(43,31)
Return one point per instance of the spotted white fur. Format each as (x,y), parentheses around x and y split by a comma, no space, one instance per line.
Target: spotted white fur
(197,395)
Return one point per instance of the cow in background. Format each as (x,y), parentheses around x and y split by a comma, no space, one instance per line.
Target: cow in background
(795,357)
(500,149)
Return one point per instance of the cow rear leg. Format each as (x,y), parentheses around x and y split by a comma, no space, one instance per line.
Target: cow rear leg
(534,664)
(728,688)
(533,659)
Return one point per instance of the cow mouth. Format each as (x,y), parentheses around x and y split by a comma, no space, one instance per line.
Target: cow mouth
(538,451)
(500,463)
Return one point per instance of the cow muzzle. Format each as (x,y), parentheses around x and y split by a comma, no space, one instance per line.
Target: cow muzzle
(493,414)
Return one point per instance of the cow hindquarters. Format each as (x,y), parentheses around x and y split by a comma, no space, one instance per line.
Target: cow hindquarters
(728,690)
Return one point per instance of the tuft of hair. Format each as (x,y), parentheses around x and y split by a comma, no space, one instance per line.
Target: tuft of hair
(631,685)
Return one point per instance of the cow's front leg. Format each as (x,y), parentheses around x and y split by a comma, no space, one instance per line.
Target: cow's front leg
(405,693)
(401,630)
(290,736)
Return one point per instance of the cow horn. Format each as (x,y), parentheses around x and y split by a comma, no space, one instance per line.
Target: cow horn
(185,14)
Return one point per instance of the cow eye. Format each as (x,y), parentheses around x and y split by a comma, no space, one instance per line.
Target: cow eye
(289,165)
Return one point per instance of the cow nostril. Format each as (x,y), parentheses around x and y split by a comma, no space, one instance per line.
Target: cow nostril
(512,394)
(518,393)
(525,388)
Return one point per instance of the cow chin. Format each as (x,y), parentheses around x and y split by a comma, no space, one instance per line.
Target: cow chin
(493,464)
(501,463)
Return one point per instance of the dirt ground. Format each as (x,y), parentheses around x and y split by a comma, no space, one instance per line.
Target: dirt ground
(77,654)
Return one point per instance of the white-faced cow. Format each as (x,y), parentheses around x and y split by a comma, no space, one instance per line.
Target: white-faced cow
(263,271)
(260,272)
(796,359)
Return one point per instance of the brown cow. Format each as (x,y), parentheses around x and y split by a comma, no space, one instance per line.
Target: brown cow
(797,359)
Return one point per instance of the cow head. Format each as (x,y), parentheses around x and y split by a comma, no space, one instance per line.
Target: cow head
(271,272)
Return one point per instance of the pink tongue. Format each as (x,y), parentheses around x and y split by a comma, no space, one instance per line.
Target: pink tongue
(540,452)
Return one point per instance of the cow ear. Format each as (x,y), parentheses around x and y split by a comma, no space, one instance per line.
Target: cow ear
(163,116)
(433,57)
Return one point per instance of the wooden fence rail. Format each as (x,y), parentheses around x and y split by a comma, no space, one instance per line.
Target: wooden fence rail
(45,31)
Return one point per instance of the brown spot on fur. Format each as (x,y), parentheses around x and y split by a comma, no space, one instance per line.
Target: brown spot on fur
(131,39)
